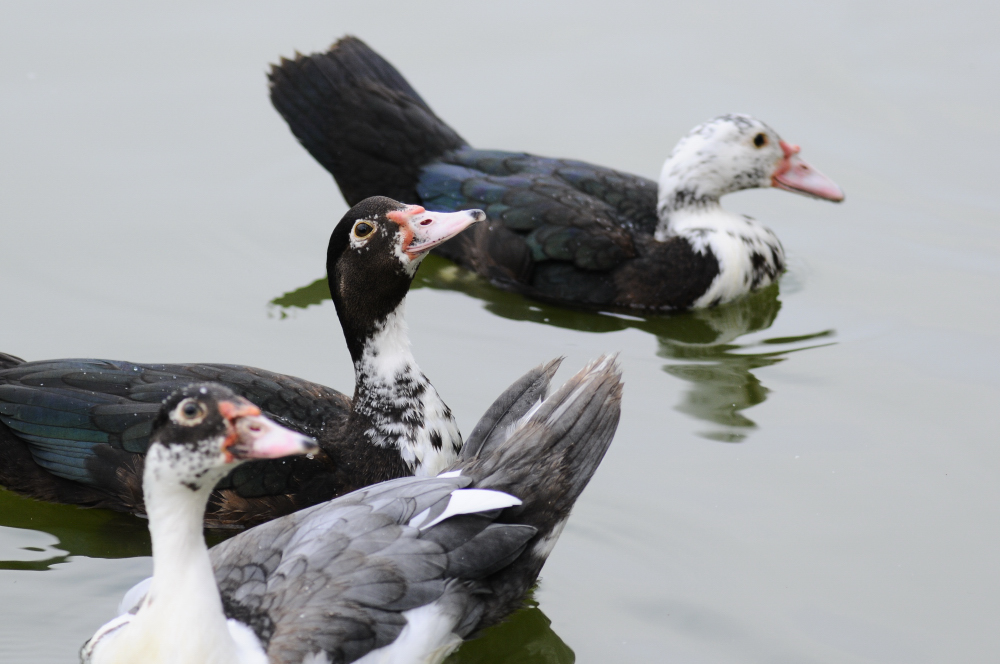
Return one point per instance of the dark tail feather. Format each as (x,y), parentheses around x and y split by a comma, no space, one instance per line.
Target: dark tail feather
(546,461)
(508,409)
(548,458)
(360,119)
(9,361)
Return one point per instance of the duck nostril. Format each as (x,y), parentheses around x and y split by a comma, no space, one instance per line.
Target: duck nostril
(426,222)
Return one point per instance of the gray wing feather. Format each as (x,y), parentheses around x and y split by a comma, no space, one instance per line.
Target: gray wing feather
(337,576)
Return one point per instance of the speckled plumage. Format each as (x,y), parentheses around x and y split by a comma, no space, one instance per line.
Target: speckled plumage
(403,409)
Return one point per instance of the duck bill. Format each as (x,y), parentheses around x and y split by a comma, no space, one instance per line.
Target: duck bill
(426,230)
(795,175)
(257,437)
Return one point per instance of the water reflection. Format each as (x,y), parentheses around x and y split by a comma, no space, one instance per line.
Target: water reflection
(702,345)
(76,532)
(722,382)
(524,638)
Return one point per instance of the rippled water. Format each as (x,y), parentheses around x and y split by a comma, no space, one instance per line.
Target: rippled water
(809,475)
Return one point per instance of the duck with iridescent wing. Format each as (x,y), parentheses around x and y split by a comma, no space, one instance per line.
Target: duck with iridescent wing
(558,230)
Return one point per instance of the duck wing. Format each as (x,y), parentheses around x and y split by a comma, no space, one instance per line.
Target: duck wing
(556,228)
(341,578)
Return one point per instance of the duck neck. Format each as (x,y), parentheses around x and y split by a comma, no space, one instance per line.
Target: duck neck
(677,211)
(749,255)
(395,404)
(684,192)
(181,617)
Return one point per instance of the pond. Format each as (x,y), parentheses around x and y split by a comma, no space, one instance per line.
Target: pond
(807,475)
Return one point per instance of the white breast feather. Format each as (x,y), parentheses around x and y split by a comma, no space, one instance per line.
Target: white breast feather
(733,240)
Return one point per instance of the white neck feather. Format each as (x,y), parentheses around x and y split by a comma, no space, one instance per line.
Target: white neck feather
(388,352)
(181,618)
(712,160)
(404,408)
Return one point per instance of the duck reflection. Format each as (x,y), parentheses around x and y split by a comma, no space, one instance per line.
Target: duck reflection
(76,531)
(720,370)
(701,345)
(524,638)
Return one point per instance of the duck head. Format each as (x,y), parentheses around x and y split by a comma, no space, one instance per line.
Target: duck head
(373,255)
(731,153)
(205,429)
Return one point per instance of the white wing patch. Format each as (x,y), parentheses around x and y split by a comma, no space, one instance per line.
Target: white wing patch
(466,501)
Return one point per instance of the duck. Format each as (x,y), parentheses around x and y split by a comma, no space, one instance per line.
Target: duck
(76,430)
(558,230)
(401,571)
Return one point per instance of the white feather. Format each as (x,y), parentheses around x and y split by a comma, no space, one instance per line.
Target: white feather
(544,546)
(712,160)
(248,646)
(471,501)
(427,638)
(733,240)
(418,519)
(387,368)
(134,596)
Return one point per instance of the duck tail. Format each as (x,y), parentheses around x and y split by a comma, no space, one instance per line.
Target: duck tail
(546,458)
(494,426)
(360,119)
(9,361)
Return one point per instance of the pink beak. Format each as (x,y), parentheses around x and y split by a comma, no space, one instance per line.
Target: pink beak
(258,437)
(427,230)
(795,175)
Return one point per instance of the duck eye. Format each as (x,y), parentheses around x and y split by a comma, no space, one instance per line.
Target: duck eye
(363,229)
(760,140)
(190,412)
